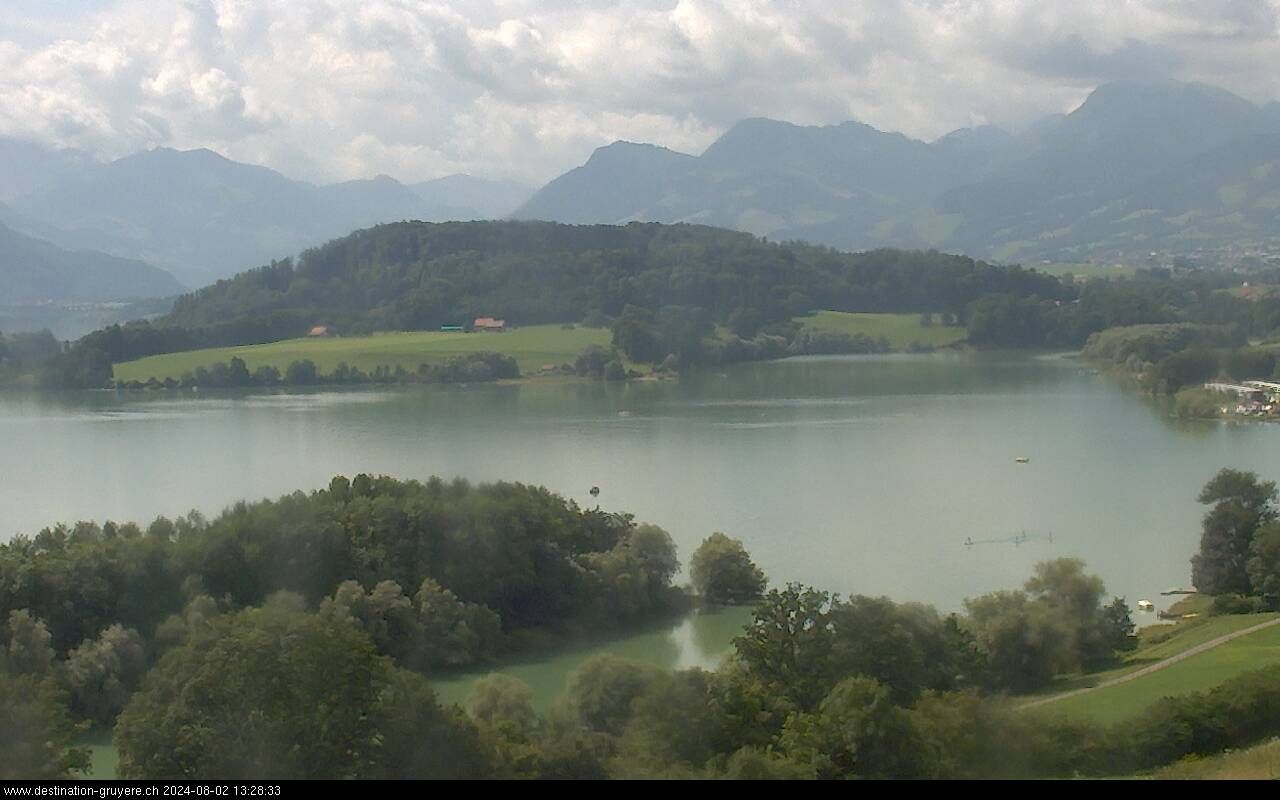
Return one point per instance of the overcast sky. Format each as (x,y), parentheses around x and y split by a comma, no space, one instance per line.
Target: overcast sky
(335,89)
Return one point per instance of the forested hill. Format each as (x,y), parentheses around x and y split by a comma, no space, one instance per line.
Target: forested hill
(675,296)
(418,275)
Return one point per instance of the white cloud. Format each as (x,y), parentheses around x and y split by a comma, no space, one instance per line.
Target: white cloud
(330,89)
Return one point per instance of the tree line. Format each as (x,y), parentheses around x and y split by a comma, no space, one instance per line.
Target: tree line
(467,368)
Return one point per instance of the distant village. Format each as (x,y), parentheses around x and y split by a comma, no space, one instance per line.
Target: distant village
(1253,398)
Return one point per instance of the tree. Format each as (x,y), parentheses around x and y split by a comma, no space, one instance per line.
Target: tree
(1264,560)
(1117,626)
(1076,597)
(636,335)
(599,693)
(453,633)
(723,572)
(384,614)
(856,731)
(904,647)
(675,721)
(787,646)
(37,733)
(276,693)
(1006,320)
(1025,644)
(655,551)
(745,322)
(759,764)
(29,650)
(501,701)
(1250,363)
(420,740)
(591,362)
(1244,488)
(301,373)
(1184,368)
(1241,504)
(37,736)
(102,673)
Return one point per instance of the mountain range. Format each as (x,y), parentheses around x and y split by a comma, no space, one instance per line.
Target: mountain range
(202,217)
(33,271)
(1137,167)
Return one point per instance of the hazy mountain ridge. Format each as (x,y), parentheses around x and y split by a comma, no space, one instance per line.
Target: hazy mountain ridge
(34,271)
(1066,187)
(203,216)
(25,166)
(1114,176)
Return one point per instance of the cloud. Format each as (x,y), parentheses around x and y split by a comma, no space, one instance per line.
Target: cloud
(335,89)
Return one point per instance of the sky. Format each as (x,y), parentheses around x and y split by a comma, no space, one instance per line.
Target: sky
(330,90)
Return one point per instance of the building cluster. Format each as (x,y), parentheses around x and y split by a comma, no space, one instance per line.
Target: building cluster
(1253,398)
(480,324)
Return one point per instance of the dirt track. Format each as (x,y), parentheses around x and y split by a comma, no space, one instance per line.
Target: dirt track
(1159,665)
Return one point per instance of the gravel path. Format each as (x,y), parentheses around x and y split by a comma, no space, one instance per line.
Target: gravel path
(1159,665)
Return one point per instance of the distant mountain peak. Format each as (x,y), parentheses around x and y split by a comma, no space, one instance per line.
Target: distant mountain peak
(1167,96)
(623,150)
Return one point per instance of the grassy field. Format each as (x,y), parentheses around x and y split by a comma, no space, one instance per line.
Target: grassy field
(1198,673)
(1260,762)
(900,329)
(104,759)
(1156,643)
(1085,271)
(532,347)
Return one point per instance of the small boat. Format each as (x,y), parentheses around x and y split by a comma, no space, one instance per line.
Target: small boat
(1145,605)
(1022,460)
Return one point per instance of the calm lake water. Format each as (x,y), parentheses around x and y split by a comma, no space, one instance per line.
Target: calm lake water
(855,474)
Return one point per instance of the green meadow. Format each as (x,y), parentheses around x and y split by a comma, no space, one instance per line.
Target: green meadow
(899,329)
(1086,271)
(1198,673)
(531,347)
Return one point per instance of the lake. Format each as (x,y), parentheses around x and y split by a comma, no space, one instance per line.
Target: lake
(861,474)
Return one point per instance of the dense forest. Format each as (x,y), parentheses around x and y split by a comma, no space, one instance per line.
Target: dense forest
(678,295)
(668,286)
(411,276)
(352,597)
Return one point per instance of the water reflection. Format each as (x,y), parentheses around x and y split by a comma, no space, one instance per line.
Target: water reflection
(702,639)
